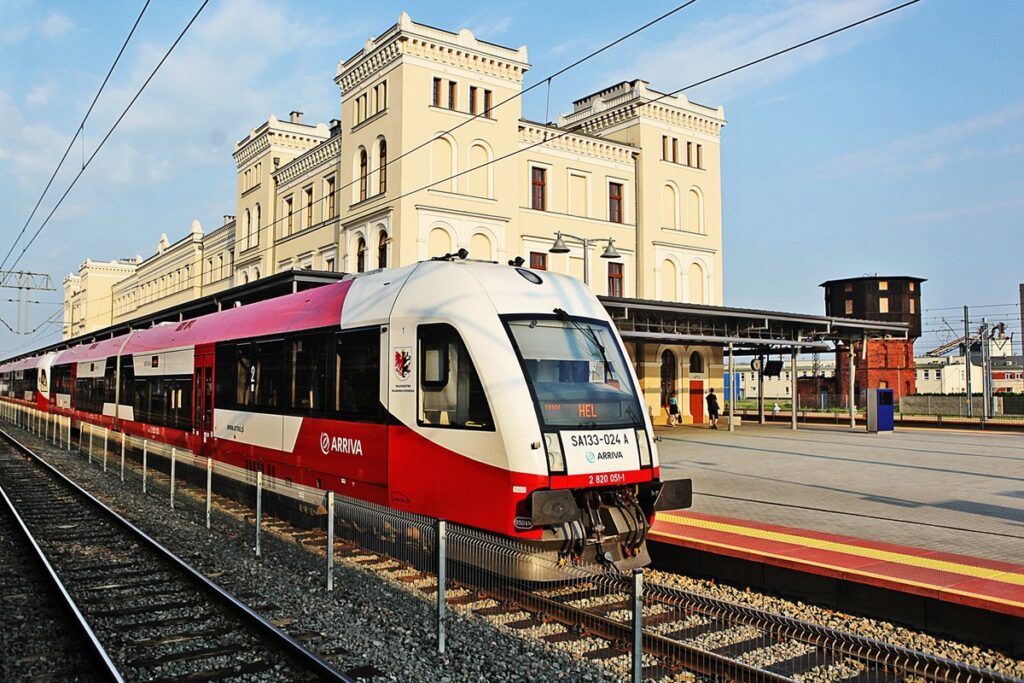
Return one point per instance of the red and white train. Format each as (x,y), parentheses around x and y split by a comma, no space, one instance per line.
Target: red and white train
(493,396)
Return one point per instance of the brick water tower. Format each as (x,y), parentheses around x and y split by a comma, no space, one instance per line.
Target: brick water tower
(887,363)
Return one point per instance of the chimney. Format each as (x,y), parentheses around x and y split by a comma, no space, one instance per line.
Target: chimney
(228,219)
(295,116)
(335,127)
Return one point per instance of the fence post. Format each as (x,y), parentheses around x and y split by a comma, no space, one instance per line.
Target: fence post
(123,435)
(330,540)
(209,489)
(442,534)
(106,433)
(90,443)
(173,459)
(259,509)
(145,452)
(638,625)
(70,421)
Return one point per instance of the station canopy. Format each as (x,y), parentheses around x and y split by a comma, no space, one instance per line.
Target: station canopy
(749,331)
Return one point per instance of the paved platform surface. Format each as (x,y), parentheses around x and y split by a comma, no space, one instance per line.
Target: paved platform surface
(956,492)
(985,584)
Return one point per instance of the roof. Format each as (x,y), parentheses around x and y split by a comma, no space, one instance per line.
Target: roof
(912,278)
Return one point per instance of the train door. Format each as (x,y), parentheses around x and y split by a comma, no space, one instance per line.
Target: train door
(202,403)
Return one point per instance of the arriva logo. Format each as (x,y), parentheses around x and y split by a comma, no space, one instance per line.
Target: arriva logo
(339,444)
(591,457)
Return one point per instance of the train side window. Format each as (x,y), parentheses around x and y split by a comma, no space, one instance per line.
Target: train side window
(357,375)
(245,370)
(269,373)
(451,394)
(308,368)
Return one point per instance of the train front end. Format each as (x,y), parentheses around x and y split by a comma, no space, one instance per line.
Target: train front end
(597,438)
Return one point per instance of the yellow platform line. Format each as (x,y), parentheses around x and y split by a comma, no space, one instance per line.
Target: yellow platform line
(860,572)
(860,551)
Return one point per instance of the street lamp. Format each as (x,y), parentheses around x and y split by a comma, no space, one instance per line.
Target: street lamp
(560,247)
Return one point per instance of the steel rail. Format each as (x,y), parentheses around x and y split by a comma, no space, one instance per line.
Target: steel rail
(99,653)
(275,635)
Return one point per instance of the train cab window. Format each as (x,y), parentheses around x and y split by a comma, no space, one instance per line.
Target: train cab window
(450,394)
(357,375)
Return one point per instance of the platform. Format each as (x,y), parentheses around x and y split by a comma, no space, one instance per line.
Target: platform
(984,584)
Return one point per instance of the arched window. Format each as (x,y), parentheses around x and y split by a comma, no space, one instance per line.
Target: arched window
(694,212)
(248,226)
(480,247)
(441,169)
(696,363)
(668,376)
(696,284)
(479,185)
(438,242)
(382,180)
(256,274)
(256,232)
(363,171)
(361,254)
(669,208)
(669,281)
(382,250)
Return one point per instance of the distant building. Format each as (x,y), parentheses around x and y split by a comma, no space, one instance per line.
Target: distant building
(938,373)
(885,363)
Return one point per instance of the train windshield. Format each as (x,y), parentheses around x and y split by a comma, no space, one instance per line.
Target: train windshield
(577,372)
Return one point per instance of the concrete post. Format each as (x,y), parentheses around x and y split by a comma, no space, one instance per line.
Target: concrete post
(122,455)
(259,509)
(852,399)
(732,388)
(209,489)
(145,452)
(174,453)
(638,625)
(792,389)
(442,537)
(330,540)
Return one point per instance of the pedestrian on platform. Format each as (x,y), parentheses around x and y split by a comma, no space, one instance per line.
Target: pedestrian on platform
(775,411)
(673,410)
(713,408)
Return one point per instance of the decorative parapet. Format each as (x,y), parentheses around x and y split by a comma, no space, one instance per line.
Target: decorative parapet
(323,153)
(461,49)
(281,133)
(633,99)
(598,148)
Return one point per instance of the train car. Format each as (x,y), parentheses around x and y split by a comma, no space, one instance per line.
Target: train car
(26,381)
(493,396)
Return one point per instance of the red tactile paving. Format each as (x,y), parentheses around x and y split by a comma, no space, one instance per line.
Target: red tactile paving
(987,584)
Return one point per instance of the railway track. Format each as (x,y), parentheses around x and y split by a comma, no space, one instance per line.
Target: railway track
(153,616)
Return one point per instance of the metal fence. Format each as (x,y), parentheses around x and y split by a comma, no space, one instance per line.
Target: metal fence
(635,630)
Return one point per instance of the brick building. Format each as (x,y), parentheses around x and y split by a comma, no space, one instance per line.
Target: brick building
(885,363)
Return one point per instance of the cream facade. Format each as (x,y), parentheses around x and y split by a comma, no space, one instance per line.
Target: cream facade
(88,294)
(431,154)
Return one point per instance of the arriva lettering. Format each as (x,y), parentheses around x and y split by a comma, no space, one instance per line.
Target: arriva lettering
(340,444)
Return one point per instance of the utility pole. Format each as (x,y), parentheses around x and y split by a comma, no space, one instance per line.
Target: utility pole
(986,371)
(967,361)
(25,282)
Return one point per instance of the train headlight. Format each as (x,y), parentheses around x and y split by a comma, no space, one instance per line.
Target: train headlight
(556,459)
(645,448)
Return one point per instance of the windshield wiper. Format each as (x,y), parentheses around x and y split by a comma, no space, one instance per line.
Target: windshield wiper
(589,332)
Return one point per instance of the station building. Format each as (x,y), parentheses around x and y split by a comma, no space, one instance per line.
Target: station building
(431,154)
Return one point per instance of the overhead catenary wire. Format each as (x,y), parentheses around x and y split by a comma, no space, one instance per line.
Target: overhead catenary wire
(111,131)
(79,132)
(565,133)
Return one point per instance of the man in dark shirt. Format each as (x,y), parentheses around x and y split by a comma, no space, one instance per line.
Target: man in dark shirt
(713,408)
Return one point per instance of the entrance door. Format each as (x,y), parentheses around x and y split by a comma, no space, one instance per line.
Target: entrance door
(202,409)
(697,401)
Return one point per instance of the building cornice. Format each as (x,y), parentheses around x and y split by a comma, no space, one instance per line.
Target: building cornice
(324,153)
(585,145)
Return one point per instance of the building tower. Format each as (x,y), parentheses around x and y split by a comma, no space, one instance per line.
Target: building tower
(885,363)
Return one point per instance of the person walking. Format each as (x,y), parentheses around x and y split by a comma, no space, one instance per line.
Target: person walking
(673,410)
(713,408)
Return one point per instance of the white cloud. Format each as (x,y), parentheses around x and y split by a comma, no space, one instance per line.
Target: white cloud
(55,25)
(928,150)
(707,48)
(937,216)
(39,95)
(488,27)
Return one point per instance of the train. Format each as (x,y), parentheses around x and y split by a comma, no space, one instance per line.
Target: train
(490,395)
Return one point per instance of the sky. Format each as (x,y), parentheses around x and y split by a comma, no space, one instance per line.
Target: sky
(894,148)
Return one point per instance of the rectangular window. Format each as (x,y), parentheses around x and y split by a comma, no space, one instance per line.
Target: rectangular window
(912,286)
(289,212)
(437,92)
(307,366)
(538,260)
(451,394)
(848,307)
(675,150)
(487,103)
(700,156)
(329,265)
(472,99)
(926,374)
(883,285)
(848,287)
(538,186)
(664,148)
(614,279)
(883,304)
(913,306)
(309,206)
(329,191)
(452,95)
(357,375)
(382,96)
(578,200)
(615,202)
(689,154)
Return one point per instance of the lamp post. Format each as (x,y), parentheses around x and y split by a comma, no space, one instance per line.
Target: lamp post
(560,247)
